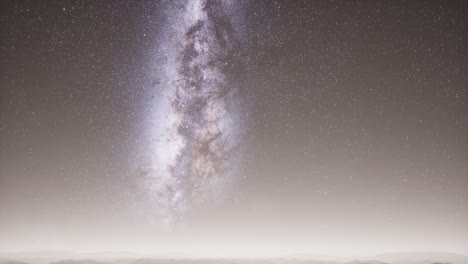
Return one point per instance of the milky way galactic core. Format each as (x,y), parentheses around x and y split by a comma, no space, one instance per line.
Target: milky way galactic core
(196,122)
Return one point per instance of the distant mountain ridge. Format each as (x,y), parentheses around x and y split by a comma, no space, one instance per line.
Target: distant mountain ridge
(67,257)
(423,257)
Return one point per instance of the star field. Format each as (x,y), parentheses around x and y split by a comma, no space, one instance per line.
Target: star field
(347,122)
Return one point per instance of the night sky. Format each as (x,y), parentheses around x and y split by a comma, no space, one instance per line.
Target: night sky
(246,128)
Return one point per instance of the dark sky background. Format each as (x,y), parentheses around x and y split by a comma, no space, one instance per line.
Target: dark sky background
(354,112)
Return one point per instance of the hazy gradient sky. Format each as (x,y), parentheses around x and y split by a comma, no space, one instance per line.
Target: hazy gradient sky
(234,127)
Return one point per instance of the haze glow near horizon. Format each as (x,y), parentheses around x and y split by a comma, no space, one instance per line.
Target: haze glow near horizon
(234,128)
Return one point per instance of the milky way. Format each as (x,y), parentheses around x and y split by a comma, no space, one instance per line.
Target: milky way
(196,128)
